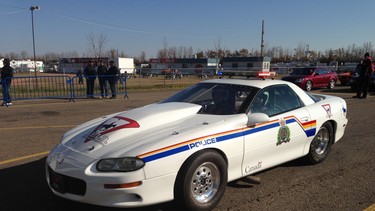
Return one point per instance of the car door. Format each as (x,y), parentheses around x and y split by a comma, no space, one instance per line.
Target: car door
(321,77)
(283,137)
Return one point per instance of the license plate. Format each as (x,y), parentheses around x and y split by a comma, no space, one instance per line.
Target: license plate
(56,182)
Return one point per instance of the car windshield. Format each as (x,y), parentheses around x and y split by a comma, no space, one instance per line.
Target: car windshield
(216,98)
(303,71)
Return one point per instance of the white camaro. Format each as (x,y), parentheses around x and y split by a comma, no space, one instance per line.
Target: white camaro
(187,147)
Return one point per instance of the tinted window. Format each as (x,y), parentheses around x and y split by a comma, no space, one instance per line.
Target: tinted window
(216,98)
(275,100)
(302,71)
(322,71)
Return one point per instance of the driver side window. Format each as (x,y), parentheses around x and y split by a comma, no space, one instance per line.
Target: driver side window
(275,100)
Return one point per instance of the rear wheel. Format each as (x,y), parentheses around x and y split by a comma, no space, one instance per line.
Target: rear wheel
(202,181)
(321,144)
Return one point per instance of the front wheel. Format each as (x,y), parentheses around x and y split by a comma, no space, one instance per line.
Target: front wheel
(308,86)
(321,144)
(331,84)
(202,181)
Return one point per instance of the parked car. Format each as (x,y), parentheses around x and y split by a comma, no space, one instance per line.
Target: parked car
(354,82)
(345,75)
(188,146)
(309,78)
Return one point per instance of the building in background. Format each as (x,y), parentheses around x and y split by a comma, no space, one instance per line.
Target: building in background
(25,65)
(198,67)
(245,66)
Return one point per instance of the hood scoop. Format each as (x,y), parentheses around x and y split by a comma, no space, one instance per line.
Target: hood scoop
(129,123)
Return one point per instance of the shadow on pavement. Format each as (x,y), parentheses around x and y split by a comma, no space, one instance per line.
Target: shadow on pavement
(24,187)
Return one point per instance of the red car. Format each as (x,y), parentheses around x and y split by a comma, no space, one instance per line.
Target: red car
(312,77)
(347,74)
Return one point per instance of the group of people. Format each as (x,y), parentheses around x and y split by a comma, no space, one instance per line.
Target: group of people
(106,76)
(367,68)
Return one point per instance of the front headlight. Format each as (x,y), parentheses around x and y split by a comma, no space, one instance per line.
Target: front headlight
(299,80)
(120,164)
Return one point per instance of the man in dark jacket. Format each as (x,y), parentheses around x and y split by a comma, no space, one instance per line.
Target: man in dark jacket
(364,77)
(113,75)
(90,74)
(6,80)
(102,76)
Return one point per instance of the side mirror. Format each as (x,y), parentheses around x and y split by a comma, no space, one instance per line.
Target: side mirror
(256,118)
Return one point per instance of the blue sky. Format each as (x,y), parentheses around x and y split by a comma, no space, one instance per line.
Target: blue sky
(133,26)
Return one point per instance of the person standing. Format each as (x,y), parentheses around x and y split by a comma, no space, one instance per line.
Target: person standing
(90,75)
(102,76)
(364,77)
(80,76)
(6,80)
(113,74)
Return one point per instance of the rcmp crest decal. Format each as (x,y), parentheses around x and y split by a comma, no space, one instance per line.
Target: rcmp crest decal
(283,136)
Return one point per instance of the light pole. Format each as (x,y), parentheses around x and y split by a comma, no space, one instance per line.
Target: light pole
(32,8)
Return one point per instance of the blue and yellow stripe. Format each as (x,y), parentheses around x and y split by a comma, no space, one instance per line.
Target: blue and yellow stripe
(308,127)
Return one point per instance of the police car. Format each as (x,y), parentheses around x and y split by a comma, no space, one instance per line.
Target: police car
(187,147)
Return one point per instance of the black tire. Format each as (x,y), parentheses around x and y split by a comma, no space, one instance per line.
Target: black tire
(321,144)
(331,84)
(308,86)
(201,181)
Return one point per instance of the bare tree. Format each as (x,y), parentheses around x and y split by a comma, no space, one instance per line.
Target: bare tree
(300,51)
(142,57)
(184,52)
(218,49)
(72,54)
(97,44)
(199,54)
(51,57)
(172,52)
(367,46)
(12,55)
(122,54)
(24,55)
(163,53)
(113,53)
(243,52)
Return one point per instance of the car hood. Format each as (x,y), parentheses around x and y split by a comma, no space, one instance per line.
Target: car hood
(134,131)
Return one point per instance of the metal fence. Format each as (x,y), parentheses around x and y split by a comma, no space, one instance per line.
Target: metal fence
(60,87)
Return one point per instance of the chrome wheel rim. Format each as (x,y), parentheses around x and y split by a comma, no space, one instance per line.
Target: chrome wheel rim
(332,84)
(205,182)
(321,141)
(308,86)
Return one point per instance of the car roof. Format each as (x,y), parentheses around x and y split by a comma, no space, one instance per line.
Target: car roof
(255,82)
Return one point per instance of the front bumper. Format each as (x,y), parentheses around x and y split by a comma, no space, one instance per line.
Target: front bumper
(69,178)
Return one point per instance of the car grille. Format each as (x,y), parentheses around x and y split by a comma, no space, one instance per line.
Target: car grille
(66,184)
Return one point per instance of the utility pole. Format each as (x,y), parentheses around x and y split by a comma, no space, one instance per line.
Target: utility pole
(262,41)
(32,8)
